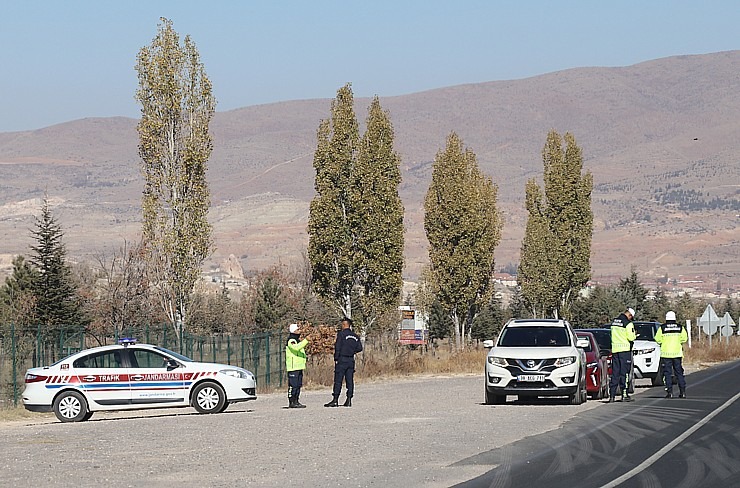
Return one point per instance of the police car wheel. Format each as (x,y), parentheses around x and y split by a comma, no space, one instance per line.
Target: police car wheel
(209,398)
(71,406)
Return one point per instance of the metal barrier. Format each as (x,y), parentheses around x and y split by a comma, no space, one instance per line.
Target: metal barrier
(21,348)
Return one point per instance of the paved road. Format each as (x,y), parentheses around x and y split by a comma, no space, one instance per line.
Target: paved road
(400,433)
(653,442)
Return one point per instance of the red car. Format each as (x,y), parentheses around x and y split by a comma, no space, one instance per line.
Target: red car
(597,373)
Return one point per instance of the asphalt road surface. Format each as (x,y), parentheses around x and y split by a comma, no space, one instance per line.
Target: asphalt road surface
(652,442)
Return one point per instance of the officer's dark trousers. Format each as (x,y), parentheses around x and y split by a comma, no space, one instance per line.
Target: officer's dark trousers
(621,365)
(669,366)
(295,382)
(344,369)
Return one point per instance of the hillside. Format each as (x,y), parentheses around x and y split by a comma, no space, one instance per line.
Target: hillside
(659,137)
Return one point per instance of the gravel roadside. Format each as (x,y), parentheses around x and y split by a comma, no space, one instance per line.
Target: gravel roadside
(399,433)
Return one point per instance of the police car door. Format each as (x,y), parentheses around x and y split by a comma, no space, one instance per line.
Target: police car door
(154,380)
(103,378)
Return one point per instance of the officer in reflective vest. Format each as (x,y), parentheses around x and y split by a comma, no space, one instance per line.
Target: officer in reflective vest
(623,335)
(295,363)
(671,337)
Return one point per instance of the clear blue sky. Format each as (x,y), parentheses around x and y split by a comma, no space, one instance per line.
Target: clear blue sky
(65,60)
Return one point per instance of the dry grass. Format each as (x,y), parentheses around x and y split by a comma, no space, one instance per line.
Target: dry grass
(722,350)
(10,414)
(397,362)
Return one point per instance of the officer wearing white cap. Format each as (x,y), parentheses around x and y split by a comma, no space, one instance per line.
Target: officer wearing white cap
(623,335)
(295,363)
(671,337)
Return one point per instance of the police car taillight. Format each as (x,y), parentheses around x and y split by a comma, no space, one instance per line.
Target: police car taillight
(33,378)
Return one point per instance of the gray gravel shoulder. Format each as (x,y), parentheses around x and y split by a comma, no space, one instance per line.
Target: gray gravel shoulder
(404,432)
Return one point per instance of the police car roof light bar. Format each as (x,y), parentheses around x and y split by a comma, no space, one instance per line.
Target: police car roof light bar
(126,341)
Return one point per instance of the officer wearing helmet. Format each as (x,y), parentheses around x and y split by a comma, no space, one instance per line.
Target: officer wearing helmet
(295,363)
(623,335)
(671,337)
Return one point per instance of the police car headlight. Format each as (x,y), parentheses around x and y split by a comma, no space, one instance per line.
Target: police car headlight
(498,361)
(644,351)
(566,361)
(236,373)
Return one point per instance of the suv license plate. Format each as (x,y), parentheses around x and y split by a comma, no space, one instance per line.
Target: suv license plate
(531,377)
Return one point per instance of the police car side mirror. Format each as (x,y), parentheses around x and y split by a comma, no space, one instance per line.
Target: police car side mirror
(172,364)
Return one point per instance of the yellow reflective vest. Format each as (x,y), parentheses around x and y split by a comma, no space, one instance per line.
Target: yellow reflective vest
(295,356)
(623,334)
(671,337)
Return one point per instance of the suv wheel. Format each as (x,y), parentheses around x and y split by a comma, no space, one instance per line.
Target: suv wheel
(492,399)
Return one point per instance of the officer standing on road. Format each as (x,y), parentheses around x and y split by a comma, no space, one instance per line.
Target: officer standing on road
(623,335)
(347,345)
(295,363)
(671,337)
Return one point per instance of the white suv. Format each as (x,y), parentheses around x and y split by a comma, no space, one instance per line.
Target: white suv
(534,358)
(646,353)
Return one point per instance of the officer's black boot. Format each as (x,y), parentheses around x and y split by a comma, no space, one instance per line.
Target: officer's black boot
(333,403)
(291,402)
(298,404)
(682,394)
(668,393)
(347,402)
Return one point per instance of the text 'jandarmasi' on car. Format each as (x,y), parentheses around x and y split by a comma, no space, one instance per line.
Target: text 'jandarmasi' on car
(534,358)
(132,376)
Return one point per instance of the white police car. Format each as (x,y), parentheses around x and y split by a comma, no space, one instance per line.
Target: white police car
(131,376)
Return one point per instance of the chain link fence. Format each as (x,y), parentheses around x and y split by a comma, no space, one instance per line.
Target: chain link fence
(22,348)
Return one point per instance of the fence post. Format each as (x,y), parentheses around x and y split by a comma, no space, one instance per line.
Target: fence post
(281,361)
(228,350)
(267,362)
(37,361)
(13,358)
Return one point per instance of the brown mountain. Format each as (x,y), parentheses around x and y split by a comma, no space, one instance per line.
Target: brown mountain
(661,139)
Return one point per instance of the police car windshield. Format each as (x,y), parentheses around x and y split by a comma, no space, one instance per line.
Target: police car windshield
(534,337)
(173,353)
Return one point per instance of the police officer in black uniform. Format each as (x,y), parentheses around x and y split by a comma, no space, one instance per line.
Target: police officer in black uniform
(347,345)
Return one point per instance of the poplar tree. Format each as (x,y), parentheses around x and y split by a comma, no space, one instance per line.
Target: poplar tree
(378,218)
(355,223)
(463,226)
(331,249)
(177,105)
(556,250)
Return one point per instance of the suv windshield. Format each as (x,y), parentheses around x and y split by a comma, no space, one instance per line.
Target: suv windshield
(646,331)
(534,337)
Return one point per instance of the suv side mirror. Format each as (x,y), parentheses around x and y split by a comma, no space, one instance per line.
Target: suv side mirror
(488,344)
(583,343)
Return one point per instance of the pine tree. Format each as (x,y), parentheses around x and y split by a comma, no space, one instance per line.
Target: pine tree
(177,105)
(58,306)
(463,226)
(556,250)
(17,297)
(355,223)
